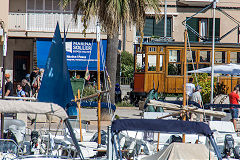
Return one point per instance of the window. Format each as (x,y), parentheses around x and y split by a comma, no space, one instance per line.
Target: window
(151,28)
(161,63)
(152,61)
(140,61)
(205,56)
(174,55)
(152,49)
(235,57)
(191,56)
(174,63)
(220,57)
(48,6)
(204,27)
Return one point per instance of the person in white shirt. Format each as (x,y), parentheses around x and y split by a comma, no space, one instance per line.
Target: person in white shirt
(190,88)
(196,97)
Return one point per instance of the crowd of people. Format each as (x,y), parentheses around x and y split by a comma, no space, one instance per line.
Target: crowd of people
(28,87)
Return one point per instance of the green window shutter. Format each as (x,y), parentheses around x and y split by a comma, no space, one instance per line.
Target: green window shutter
(159,28)
(169,27)
(217,28)
(148,28)
(194,24)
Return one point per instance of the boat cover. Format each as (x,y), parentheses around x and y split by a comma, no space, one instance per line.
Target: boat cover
(95,104)
(160,125)
(11,106)
(182,151)
(221,105)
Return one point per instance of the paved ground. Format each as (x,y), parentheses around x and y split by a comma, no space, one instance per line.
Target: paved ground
(122,112)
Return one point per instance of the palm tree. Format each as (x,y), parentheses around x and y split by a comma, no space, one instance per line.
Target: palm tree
(112,14)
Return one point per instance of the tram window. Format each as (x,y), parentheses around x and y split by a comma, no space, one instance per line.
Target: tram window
(235,57)
(161,62)
(205,56)
(139,49)
(174,55)
(203,66)
(140,63)
(174,69)
(220,57)
(191,57)
(152,61)
(152,49)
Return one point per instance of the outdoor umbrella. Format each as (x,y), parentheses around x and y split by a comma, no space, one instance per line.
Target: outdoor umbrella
(232,69)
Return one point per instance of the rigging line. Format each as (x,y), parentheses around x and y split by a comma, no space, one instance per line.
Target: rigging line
(105,77)
(189,44)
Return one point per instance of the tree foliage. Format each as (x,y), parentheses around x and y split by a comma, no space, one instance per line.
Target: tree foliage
(113,13)
(127,64)
(204,81)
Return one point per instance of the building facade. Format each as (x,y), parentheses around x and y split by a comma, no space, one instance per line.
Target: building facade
(162,58)
(29,26)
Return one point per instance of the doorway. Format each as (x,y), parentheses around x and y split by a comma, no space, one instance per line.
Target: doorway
(21,66)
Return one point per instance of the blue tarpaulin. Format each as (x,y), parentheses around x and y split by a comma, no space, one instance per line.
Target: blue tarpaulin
(79,53)
(56,86)
(95,104)
(160,125)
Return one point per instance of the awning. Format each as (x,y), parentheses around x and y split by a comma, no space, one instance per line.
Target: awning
(80,53)
(163,126)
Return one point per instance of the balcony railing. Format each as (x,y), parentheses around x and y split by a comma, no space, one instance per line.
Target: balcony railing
(46,22)
(196,2)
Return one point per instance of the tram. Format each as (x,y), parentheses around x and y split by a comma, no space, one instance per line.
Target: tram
(162,62)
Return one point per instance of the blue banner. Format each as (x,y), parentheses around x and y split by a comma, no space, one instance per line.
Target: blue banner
(80,53)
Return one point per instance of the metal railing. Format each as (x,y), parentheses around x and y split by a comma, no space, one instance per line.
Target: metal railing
(46,22)
(125,80)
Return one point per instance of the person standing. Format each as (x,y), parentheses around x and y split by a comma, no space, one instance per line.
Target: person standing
(234,99)
(190,89)
(34,80)
(8,86)
(196,97)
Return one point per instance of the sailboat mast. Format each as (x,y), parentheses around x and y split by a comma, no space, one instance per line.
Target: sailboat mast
(184,78)
(98,87)
(213,51)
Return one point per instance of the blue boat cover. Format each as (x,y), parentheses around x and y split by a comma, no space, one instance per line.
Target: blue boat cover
(160,125)
(95,104)
(56,86)
(221,105)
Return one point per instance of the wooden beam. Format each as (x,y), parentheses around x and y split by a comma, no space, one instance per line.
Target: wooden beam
(171,106)
(91,96)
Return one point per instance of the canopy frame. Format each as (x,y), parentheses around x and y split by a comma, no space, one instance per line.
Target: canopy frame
(163,126)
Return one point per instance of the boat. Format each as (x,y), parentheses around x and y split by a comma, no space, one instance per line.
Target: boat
(162,126)
(48,109)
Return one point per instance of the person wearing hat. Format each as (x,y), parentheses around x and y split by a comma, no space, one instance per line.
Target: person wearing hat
(234,99)
(8,86)
(196,97)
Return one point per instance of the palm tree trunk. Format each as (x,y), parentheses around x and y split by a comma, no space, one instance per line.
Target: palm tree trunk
(111,64)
